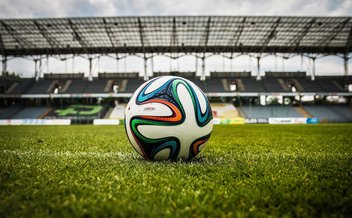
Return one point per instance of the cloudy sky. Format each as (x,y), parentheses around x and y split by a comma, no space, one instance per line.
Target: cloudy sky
(64,8)
(86,8)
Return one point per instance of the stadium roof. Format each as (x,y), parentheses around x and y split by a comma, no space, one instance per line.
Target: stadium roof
(216,34)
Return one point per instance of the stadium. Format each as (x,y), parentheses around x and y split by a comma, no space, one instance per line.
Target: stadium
(52,165)
(263,95)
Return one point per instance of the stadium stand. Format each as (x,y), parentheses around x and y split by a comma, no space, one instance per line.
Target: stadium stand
(331,84)
(131,85)
(344,111)
(216,85)
(300,109)
(20,86)
(77,86)
(6,82)
(269,111)
(253,85)
(282,81)
(326,113)
(307,85)
(9,112)
(97,86)
(274,85)
(60,76)
(41,87)
(222,81)
(126,82)
(286,74)
(29,113)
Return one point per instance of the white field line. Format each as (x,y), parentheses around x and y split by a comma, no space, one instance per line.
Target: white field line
(126,155)
(68,154)
(295,155)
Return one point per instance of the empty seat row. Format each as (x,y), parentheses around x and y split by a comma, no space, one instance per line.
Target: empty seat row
(269,111)
(245,84)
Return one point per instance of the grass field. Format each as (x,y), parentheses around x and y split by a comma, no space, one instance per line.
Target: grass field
(245,170)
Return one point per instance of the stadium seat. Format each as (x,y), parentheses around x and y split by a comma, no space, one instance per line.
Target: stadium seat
(132,85)
(325,113)
(273,85)
(40,87)
(269,111)
(253,85)
(20,86)
(9,112)
(77,86)
(29,113)
(96,86)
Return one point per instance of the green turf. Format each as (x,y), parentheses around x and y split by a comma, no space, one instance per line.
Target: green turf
(245,170)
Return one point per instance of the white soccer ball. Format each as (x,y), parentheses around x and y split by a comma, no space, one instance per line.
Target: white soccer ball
(168,118)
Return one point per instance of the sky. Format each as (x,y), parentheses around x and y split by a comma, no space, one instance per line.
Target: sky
(89,8)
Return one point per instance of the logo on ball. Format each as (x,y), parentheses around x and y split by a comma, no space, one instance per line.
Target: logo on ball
(168,118)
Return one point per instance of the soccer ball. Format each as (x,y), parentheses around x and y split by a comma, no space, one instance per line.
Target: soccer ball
(168,118)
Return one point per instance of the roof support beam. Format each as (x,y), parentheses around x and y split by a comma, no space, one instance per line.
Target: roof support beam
(206,33)
(206,39)
(141,31)
(258,69)
(108,32)
(90,76)
(4,65)
(174,40)
(345,65)
(146,77)
(296,40)
(328,38)
(202,77)
(270,35)
(312,75)
(21,41)
(52,41)
(239,33)
(77,36)
(141,35)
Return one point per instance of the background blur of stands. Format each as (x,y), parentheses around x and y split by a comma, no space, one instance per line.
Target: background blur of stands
(236,97)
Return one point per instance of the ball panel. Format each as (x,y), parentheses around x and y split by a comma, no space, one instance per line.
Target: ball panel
(142,96)
(166,151)
(164,154)
(131,137)
(200,96)
(198,145)
(202,118)
(149,145)
(158,82)
(168,112)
